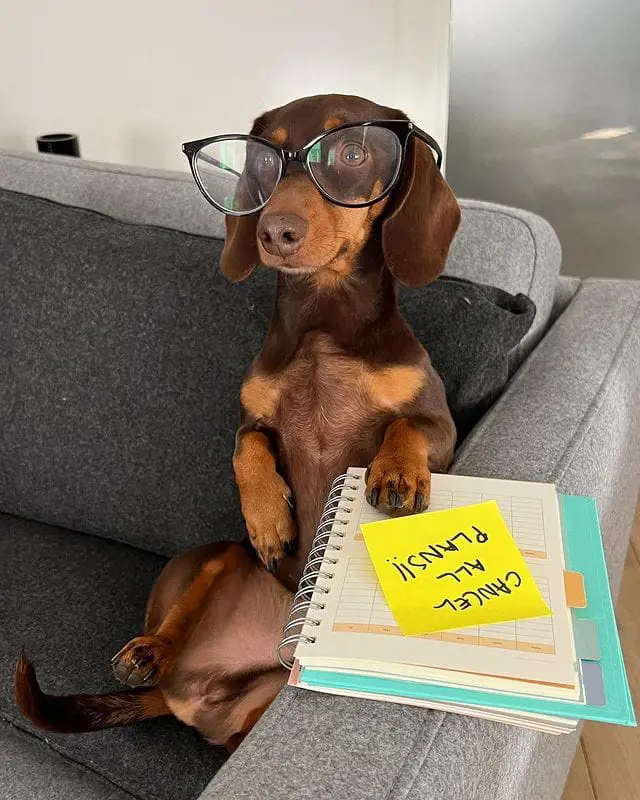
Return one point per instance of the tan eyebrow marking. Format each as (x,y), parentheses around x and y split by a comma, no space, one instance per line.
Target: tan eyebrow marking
(279,136)
(333,122)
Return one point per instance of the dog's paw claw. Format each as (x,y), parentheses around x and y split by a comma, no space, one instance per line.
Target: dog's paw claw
(139,662)
(288,548)
(398,489)
(373,496)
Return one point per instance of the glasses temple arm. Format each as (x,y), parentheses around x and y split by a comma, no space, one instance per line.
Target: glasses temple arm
(429,140)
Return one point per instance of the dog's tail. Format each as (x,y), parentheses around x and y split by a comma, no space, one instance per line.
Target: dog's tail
(76,713)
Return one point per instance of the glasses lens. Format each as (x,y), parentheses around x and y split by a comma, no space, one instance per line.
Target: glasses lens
(356,164)
(240,175)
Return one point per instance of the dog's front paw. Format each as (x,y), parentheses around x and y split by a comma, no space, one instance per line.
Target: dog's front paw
(140,661)
(395,488)
(270,525)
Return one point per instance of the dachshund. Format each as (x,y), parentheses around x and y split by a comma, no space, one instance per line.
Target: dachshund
(344,198)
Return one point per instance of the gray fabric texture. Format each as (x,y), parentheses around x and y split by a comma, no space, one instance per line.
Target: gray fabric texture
(323,747)
(72,601)
(472,331)
(496,245)
(513,249)
(565,291)
(118,404)
(133,194)
(568,416)
(127,348)
(31,770)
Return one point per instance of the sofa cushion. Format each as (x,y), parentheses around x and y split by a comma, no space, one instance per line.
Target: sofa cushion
(72,601)
(119,378)
(132,194)
(31,770)
(497,245)
(126,349)
(471,330)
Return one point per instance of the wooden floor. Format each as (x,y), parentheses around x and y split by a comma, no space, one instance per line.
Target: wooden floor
(607,763)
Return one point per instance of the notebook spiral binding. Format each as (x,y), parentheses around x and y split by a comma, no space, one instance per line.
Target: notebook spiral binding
(319,563)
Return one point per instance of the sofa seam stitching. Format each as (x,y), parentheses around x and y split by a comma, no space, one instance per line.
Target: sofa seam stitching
(75,759)
(152,226)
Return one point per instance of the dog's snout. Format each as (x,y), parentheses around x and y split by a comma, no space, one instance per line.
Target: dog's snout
(281,234)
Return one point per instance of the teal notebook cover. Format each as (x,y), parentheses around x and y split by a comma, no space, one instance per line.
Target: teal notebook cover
(584,554)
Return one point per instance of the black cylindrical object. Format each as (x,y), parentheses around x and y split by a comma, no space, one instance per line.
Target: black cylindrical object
(62,144)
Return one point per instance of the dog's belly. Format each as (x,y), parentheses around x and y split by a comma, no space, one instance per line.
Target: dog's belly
(226,667)
(326,423)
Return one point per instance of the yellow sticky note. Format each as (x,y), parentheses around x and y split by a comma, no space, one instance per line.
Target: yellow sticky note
(452,569)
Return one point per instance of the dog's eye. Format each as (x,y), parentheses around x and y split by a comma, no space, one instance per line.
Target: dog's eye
(353,154)
(267,161)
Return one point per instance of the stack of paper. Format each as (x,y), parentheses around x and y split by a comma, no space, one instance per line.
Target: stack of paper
(546,672)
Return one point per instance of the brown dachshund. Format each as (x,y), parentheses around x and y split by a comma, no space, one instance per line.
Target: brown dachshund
(342,213)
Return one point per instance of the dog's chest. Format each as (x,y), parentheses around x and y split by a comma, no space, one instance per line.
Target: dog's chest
(324,402)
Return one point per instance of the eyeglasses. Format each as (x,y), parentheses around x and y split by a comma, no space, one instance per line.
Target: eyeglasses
(353,165)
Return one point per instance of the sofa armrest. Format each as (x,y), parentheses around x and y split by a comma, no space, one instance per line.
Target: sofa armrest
(569,416)
(566,287)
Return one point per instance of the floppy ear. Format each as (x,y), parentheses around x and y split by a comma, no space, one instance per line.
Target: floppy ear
(240,255)
(422,222)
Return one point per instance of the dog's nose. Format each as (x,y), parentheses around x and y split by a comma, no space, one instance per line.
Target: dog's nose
(281,234)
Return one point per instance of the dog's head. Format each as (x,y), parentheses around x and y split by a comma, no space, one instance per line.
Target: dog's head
(301,232)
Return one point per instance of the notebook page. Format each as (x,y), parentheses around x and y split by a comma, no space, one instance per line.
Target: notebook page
(357,623)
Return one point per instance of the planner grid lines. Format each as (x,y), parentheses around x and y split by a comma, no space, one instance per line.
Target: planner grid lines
(363,609)
(523,516)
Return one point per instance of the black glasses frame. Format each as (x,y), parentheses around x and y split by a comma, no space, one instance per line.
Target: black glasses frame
(402,128)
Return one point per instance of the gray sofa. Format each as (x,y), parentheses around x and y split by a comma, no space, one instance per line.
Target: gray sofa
(568,415)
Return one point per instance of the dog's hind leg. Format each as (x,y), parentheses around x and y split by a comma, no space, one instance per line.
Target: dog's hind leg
(146,659)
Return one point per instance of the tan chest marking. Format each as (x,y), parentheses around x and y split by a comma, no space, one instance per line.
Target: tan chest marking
(260,396)
(391,388)
(387,389)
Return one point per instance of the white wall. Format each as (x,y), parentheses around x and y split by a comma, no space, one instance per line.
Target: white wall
(135,78)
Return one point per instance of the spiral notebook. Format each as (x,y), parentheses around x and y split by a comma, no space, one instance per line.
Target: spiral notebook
(544,673)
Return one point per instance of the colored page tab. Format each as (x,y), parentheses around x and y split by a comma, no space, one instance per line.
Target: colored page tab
(574,590)
(452,569)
